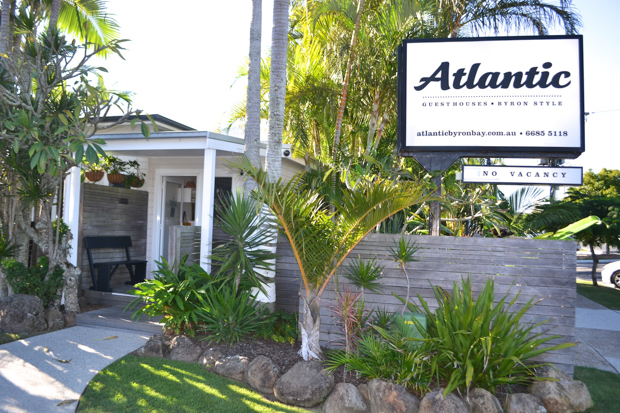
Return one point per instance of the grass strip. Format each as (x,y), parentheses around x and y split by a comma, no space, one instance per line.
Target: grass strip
(10,337)
(604,388)
(609,297)
(145,384)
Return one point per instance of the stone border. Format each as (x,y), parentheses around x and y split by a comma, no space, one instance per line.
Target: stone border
(307,384)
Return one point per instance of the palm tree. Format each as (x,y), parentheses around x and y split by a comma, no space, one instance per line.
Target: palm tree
(252,127)
(277,88)
(84,19)
(321,240)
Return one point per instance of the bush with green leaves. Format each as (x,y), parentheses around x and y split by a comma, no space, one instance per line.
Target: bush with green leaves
(37,280)
(388,355)
(479,343)
(173,295)
(281,327)
(225,315)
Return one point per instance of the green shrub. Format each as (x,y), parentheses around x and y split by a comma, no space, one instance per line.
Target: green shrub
(280,327)
(173,295)
(36,280)
(388,356)
(226,316)
(478,343)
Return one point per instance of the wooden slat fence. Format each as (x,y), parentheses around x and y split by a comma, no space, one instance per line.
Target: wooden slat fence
(539,269)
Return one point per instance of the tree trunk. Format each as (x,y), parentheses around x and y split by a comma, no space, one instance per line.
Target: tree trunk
(347,77)
(5,32)
(594,265)
(54,14)
(435,215)
(374,117)
(277,88)
(310,328)
(252,109)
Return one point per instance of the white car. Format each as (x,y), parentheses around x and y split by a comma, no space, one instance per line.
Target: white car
(611,273)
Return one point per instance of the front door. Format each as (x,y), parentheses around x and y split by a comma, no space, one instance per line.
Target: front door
(171,211)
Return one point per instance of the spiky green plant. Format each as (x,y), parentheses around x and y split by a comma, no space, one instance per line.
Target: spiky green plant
(321,240)
(481,343)
(364,274)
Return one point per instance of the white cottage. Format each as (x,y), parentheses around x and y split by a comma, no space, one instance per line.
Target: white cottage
(184,169)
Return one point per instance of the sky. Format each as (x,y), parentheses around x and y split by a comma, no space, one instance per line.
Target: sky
(182,63)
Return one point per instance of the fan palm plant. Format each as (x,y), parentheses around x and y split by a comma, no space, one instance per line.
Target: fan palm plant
(320,239)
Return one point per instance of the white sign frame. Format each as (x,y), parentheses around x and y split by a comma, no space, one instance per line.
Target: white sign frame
(522,175)
(534,121)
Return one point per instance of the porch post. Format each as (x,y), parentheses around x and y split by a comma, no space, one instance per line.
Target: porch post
(71,211)
(208,196)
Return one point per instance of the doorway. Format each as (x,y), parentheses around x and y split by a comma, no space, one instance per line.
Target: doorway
(178,208)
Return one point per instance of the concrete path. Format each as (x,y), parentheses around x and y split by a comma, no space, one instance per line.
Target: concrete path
(32,379)
(597,331)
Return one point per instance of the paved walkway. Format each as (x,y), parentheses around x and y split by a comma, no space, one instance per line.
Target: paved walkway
(597,331)
(32,379)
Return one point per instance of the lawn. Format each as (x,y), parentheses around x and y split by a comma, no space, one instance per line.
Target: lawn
(604,388)
(144,384)
(609,297)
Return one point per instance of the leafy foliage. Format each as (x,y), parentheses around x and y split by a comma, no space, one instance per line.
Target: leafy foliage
(37,280)
(173,295)
(480,343)
(227,316)
(388,356)
(350,317)
(404,251)
(364,274)
(280,327)
(243,257)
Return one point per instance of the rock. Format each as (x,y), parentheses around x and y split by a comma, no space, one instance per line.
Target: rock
(233,367)
(157,346)
(563,395)
(55,319)
(391,398)
(22,314)
(306,384)
(182,348)
(345,399)
(82,303)
(363,389)
(70,320)
(483,401)
(262,374)
(434,402)
(209,357)
(523,403)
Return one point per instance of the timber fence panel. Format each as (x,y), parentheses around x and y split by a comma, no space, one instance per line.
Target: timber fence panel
(539,270)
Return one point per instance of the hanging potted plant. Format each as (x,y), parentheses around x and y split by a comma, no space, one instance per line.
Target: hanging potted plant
(134,178)
(115,169)
(93,172)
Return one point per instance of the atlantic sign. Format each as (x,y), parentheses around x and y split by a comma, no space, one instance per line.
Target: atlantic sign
(522,175)
(498,95)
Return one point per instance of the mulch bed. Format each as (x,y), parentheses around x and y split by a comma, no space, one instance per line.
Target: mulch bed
(283,355)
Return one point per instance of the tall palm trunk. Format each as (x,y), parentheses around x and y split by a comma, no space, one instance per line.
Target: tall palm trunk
(55,13)
(252,127)
(347,77)
(277,88)
(5,32)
